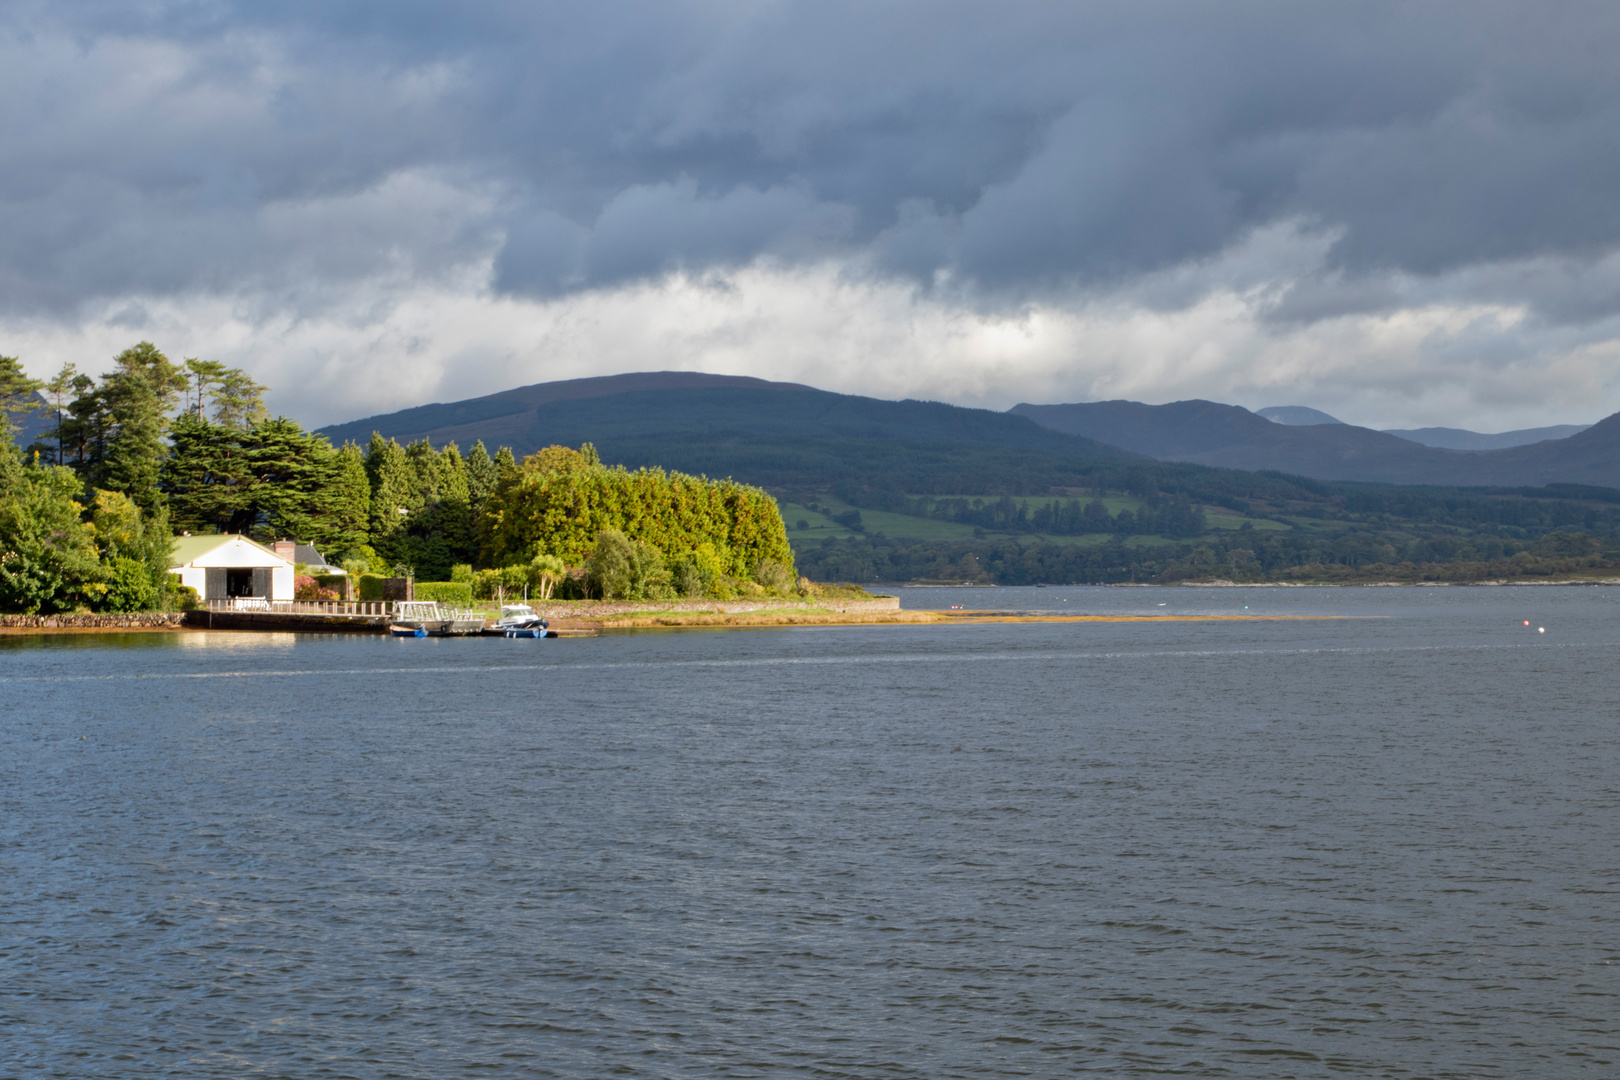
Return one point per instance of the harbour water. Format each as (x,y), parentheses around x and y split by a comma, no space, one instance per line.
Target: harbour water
(1380,845)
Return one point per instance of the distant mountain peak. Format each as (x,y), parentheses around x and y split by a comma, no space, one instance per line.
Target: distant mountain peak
(1459,439)
(1296,415)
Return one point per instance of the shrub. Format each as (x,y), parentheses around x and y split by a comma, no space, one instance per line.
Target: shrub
(307,588)
(462,572)
(623,569)
(504,583)
(686,580)
(370,586)
(336,583)
(445,592)
(611,565)
(129,586)
(774,576)
(364,560)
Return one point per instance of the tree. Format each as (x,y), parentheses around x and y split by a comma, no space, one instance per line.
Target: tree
(18,393)
(85,426)
(624,569)
(273,479)
(395,495)
(563,512)
(506,466)
(137,398)
(481,475)
(202,374)
(238,401)
(134,549)
(455,516)
(48,554)
(134,452)
(611,566)
(59,391)
(545,573)
(205,475)
(350,502)
(563,459)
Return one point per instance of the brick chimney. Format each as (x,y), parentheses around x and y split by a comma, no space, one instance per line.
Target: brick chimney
(287,549)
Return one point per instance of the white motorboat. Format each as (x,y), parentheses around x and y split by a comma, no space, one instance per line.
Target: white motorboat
(518,617)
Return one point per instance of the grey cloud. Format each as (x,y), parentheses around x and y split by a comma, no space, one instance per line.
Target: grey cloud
(1014,150)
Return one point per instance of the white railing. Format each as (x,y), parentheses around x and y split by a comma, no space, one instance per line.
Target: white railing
(357,608)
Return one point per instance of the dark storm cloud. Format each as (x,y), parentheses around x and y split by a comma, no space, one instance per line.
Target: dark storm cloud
(1014,150)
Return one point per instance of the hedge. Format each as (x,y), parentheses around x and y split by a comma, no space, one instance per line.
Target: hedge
(445,592)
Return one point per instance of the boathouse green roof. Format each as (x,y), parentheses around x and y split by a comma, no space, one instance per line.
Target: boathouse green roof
(189,548)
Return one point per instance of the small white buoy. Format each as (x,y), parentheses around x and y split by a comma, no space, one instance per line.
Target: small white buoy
(1541,629)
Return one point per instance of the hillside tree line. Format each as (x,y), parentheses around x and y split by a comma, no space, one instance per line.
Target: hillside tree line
(152,448)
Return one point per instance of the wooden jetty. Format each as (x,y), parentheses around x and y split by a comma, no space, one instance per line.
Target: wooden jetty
(312,617)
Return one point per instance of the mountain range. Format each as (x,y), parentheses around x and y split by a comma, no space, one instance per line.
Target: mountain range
(1443,437)
(800,435)
(788,434)
(1208,433)
(782,435)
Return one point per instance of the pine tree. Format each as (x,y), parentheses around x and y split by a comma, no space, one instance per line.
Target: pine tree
(238,400)
(350,502)
(296,474)
(201,375)
(395,496)
(134,452)
(481,476)
(84,428)
(455,505)
(18,394)
(506,466)
(137,397)
(425,462)
(59,392)
(206,476)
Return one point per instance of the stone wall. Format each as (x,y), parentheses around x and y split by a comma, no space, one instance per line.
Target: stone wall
(143,620)
(596,609)
(271,620)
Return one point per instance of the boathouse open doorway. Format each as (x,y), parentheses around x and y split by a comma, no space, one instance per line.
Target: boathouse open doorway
(231,582)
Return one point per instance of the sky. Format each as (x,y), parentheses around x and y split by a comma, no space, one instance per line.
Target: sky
(1404,214)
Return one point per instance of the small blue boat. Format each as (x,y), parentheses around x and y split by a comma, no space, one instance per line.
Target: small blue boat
(525,631)
(408,631)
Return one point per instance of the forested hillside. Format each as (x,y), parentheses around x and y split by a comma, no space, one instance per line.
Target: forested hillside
(916,490)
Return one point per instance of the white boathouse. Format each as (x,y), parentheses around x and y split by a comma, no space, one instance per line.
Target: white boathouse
(231,567)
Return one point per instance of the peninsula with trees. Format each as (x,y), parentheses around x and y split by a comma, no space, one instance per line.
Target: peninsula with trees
(154,448)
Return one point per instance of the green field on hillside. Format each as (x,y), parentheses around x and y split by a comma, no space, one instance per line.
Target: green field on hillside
(821,525)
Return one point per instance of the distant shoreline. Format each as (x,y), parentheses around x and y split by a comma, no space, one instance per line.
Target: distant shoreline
(1222,584)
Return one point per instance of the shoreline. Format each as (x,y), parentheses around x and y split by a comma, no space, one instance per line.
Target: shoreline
(749,620)
(1221,583)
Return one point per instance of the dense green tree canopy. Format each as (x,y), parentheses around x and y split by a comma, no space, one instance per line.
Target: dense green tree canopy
(562,511)
(48,557)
